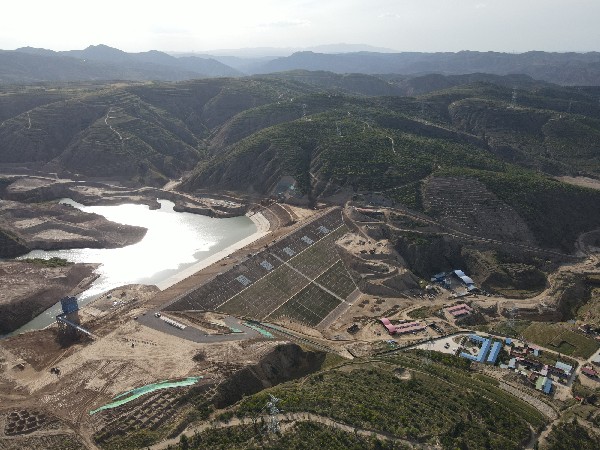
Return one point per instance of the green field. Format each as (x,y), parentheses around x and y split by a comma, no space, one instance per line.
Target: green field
(423,312)
(572,435)
(559,338)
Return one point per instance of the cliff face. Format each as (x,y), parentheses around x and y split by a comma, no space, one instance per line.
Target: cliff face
(10,246)
(433,254)
(29,289)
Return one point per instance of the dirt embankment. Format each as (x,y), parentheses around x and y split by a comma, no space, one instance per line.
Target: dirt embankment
(286,362)
(377,265)
(28,289)
(59,226)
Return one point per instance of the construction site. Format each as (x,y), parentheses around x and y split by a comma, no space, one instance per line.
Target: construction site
(323,283)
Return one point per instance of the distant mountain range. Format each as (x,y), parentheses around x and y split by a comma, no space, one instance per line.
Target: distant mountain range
(560,68)
(100,62)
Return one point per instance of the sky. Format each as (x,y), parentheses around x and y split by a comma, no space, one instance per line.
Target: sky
(402,25)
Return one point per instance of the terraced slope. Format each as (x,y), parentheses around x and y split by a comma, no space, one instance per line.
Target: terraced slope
(247,134)
(394,145)
(142,133)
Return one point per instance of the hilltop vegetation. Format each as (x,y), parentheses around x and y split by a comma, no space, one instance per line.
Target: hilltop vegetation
(329,133)
(571,435)
(300,436)
(399,397)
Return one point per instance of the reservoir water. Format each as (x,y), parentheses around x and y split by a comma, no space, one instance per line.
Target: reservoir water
(174,241)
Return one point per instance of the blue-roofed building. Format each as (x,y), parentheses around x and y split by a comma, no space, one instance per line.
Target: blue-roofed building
(508,341)
(566,368)
(544,384)
(477,338)
(464,278)
(483,350)
(439,277)
(69,305)
(512,363)
(468,356)
(467,280)
(494,352)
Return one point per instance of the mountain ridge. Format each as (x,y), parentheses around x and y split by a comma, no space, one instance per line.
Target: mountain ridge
(31,65)
(102,62)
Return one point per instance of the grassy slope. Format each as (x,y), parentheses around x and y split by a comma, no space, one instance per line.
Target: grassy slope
(561,339)
(301,436)
(355,148)
(247,133)
(474,414)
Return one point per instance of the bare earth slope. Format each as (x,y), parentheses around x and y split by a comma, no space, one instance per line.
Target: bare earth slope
(27,289)
(59,226)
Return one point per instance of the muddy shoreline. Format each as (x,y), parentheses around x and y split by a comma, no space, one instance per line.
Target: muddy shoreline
(31,218)
(36,189)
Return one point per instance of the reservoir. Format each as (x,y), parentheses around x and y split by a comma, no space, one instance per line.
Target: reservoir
(174,242)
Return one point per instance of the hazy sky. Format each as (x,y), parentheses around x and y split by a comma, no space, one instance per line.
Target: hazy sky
(404,25)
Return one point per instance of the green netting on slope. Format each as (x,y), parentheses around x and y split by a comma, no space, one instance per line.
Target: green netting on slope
(138,392)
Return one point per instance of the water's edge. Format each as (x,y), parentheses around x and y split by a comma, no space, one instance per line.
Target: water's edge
(177,245)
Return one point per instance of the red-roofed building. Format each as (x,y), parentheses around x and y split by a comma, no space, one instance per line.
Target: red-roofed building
(388,325)
(409,327)
(403,328)
(589,372)
(459,310)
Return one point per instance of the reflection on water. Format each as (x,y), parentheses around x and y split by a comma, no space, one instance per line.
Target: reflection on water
(173,242)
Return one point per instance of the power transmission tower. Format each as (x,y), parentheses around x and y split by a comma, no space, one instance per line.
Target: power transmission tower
(273,422)
(426,359)
(513,102)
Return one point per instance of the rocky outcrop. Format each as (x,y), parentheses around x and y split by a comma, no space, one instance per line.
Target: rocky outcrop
(426,255)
